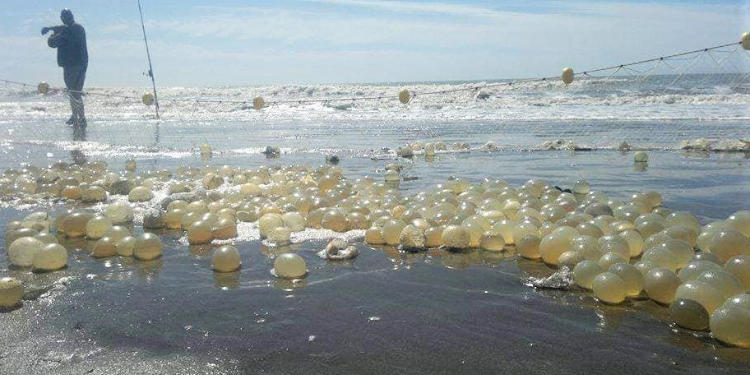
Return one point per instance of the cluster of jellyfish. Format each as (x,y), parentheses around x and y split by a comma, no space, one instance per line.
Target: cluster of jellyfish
(618,250)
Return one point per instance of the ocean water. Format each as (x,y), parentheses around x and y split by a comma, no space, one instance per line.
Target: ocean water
(385,311)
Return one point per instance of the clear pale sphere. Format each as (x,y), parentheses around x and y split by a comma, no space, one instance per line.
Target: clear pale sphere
(125,246)
(269,222)
(51,257)
(552,245)
(634,240)
(609,288)
(335,220)
(104,247)
(524,228)
(681,250)
(608,259)
(689,314)
(649,227)
(411,237)
(581,187)
(148,246)
(684,219)
(22,251)
(96,227)
(492,241)
(116,232)
(730,323)
(456,237)
(528,246)
(46,237)
(679,232)
(392,230)
(289,266)
(584,273)
(224,228)
(644,266)
(707,257)
(569,259)
(226,259)
(695,268)
(199,232)
(433,236)
(614,244)
(661,257)
(173,218)
(726,283)
(374,236)
(74,225)
(140,194)
(119,213)
(11,292)
(280,236)
(740,221)
(631,275)
(661,285)
(708,296)
(739,266)
(729,243)
(505,229)
(294,221)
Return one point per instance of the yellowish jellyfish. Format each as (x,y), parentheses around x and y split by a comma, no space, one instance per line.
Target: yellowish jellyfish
(634,240)
(335,219)
(269,222)
(119,213)
(147,98)
(584,273)
(148,246)
(411,238)
(125,246)
(294,221)
(661,285)
(199,232)
(739,266)
(589,229)
(404,96)
(682,251)
(679,232)
(11,292)
(456,237)
(644,266)
(140,194)
(661,257)
(42,88)
(705,294)
(280,236)
(609,288)
(552,245)
(631,275)
(640,157)
(740,221)
(724,282)
(528,246)
(689,314)
(116,232)
(615,244)
(729,243)
(649,227)
(103,248)
(94,194)
(610,258)
(730,323)
(569,259)
(524,228)
(52,257)
(392,230)
(224,228)
(46,237)
(226,259)
(21,251)
(96,227)
(173,218)
(130,165)
(695,268)
(74,225)
(492,241)
(289,266)
(391,176)
(433,237)
(684,219)
(374,236)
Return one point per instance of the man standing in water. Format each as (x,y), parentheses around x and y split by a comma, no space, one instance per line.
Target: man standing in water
(73,57)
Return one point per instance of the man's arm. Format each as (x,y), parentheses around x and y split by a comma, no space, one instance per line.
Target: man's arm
(59,36)
(54,29)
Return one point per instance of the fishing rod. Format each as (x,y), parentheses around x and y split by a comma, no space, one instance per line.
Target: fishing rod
(150,67)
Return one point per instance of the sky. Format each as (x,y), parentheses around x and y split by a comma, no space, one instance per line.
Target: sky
(233,43)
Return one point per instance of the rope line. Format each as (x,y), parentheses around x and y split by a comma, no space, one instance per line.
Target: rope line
(662,60)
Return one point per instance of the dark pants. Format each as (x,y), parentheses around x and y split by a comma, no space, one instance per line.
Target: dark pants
(74,76)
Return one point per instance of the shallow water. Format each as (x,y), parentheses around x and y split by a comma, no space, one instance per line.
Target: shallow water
(385,311)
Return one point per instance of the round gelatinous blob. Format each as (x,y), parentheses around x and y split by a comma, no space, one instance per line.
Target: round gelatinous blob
(492,241)
(707,257)
(640,157)
(456,237)
(569,259)
(552,245)
(225,228)
(119,213)
(392,230)
(280,236)
(505,228)
(730,323)
(649,227)
(609,288)
(433,237)
(610,258)
(740,221)
(684,219)
(739,266)
(22,251)
(96,227)
(581,187)
(374,236)
(728,243)
(689,314)
(631,275)
(584,273)
(705,294)
(411,238)
(153,218)
(524,228)
(335,220)
(661,284)
(294,221)
(723,281)
(614,244)
(289,266)
(74,225)
(226,259)
(695,269)
(681,250)
(528,246)
(173,218)
(634,240)
(644,266)
(269,222)
(52,257)
(199,232)
(11,292)
(661,257)
(103,248)
(125,246)
(46,237)
(147,247)
(116,232)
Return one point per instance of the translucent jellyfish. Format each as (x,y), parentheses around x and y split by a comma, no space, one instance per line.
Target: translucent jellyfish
(661,285)
(475,232)
(52,257)
(119,213)
(21,251)
(456,237)
(269,222)
(552,245)
(610,258)
(140,194)
(740,221)
(392,230)
(392,176)
(522,229)
(505,229)
(411,238)
(679,232)
(226,259)
(584,273)
(433,237)
(695,268)
(374,236)
(492,241)
(569,259)
(116,232)
(335,220)
(125,246)
(634,240)
(11,292)
(589,229)
(609,288)
(581,187)
(104,247)
(71,192)
(689,314)
(94,194)
(280,236)
(224,229)
(730,323)
(728,243)
(726,283)
(708,296)
(644,266)
(289,266)
(615,244)
(294,221)
(199,207)
(661,257)
(640,157)
(631,275)
(682,251)
(598,209)
(528,246)
(649,227)
(707,257)
(684,219)
(739,266)
(199,232)
(96,227)
(46,237)
(147,247)
(130,165)
(74,225)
